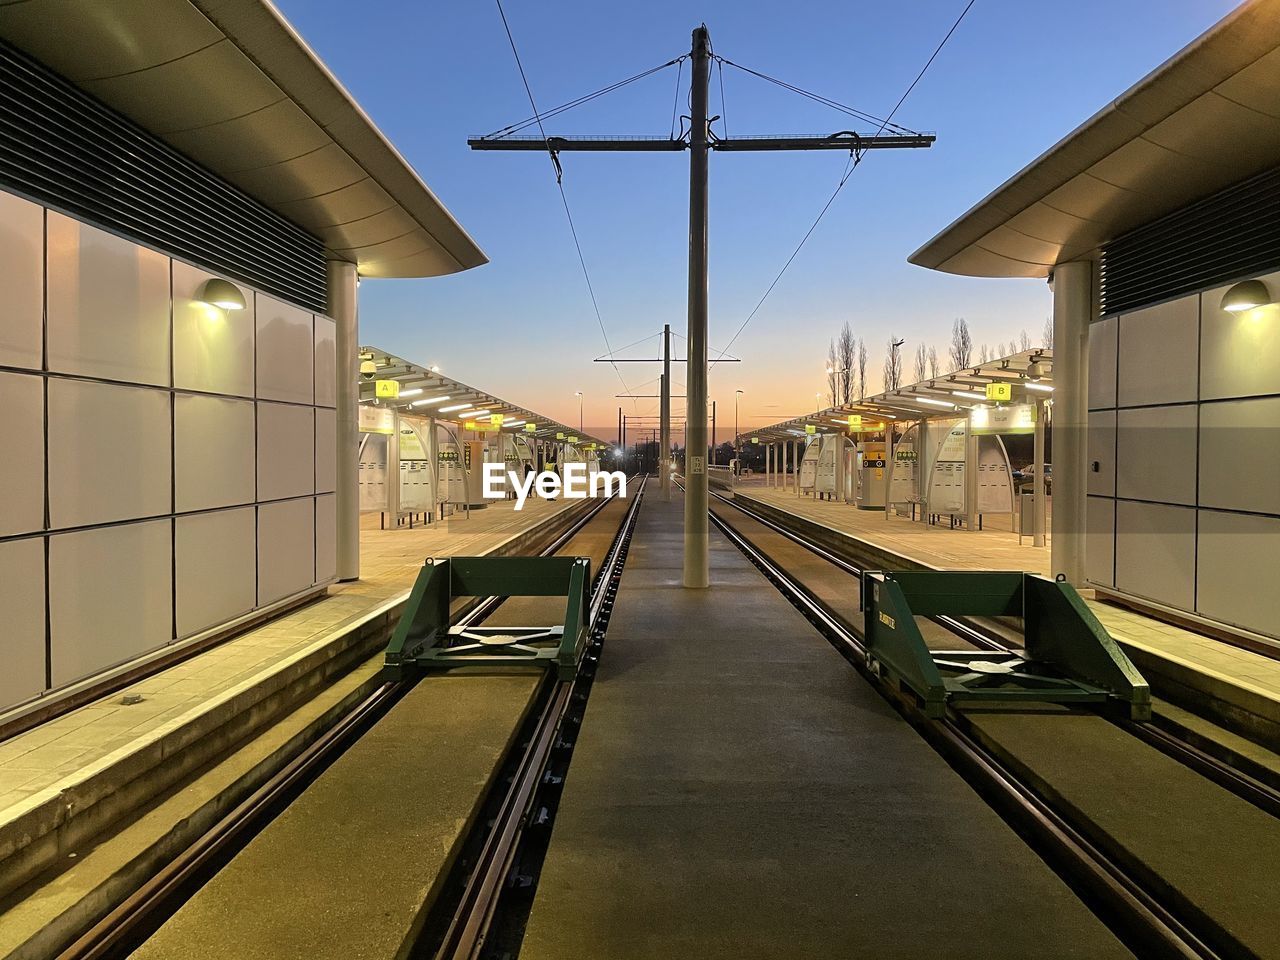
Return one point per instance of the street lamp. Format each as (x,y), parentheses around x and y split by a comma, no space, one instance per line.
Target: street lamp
(817,401)
(737,444)
(578,394)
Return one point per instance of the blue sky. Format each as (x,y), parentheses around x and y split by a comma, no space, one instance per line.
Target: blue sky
(1015,78)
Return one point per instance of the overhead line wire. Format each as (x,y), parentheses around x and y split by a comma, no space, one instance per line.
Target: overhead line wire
(564,199)
(855,159)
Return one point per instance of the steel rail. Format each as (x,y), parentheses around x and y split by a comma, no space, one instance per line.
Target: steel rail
(1136,915)
(1261,794)
(144,909)
(468,928)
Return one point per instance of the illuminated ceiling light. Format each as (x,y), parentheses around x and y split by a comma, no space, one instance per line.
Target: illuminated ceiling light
(411,393)
(1042,387)
(967,394)
(456,406)
(221,293)
(428,401)
(472,413)
(1245,296)
(936,403)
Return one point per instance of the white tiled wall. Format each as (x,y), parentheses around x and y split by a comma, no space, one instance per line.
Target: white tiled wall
(1194,397)
(179,435)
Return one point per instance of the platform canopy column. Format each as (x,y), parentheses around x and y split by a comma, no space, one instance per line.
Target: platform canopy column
(1073,308)
(341,281)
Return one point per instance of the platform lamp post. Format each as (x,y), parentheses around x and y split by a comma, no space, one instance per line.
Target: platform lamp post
(578,394)
(737,437)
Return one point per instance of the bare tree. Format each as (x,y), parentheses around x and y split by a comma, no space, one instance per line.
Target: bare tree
(961,351)
(1024,341)
(893,365)
(862,368)
(933,363)
(984,353)
(833,375)
(922,362)
(846,356)
(1046,336)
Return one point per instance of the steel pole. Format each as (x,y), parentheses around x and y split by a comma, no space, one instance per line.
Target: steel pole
(1037,481)
(665,410)
(696,565)
(342,283)
(1074,302)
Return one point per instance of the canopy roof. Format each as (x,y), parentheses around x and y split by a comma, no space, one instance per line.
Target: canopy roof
(445,398)
(1205,119)
(936,398)
(233,86)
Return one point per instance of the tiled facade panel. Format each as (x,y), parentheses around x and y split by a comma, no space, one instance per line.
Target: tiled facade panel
(22,465)
(1157,354)
(22,600)
(108,305)
(21,282)
(168,423)
(1240,455)
(1240,352)
(1155,552)
(1156,454)
(110,596)
(286,352)
(286,451)
(1237,559)
(216,568)
(108,453)
(1101,476)
(212,348)
(286,548)
(1197,409)
(213,450)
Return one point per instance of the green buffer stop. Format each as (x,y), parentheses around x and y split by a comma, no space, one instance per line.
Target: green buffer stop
(426,639)
(1068,658)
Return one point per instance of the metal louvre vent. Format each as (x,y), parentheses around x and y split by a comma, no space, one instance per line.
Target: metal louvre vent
(62,147)
(1224,237)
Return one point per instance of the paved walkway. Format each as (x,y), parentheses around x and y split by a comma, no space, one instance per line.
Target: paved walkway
(42,760)
(1217,664)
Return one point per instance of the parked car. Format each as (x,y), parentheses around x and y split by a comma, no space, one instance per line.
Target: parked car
(1022,479)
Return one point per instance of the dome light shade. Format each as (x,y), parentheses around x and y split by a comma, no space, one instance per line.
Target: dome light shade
(222,294)
(1245,296)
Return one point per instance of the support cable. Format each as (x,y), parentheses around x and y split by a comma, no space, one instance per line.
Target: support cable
(564,199)
(855,158)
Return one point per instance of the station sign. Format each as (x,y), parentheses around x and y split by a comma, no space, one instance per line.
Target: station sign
(573,439)
(530,428)
(755,439)
(810,428)
(559,436)
(377,419)
(386,389)
(495,420)
(855,421)
(1002,392)
(1015,418)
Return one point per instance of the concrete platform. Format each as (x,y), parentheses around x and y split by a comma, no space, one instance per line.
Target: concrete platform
(739,791)
(1236,686)
(65,781)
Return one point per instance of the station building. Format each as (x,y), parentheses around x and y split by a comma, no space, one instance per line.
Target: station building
(1154,222)
(187,200)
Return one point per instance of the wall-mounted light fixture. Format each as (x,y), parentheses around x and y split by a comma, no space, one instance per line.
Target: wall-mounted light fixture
(1245,296)
(222,294)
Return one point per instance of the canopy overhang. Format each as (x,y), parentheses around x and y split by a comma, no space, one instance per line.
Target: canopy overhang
(1205,119)
(232,85)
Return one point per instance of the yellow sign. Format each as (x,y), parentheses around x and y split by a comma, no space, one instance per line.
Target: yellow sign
(755,439)
(559,436)
(999,391)
(389,389)
(855,421)
(573,439)
(530,428)
(495,420)
(471,425)
(810,428)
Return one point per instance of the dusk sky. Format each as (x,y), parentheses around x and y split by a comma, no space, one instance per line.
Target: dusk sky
(1014,79)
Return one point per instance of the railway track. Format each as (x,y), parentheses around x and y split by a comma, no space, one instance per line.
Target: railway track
(132,921)
(1135,907)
